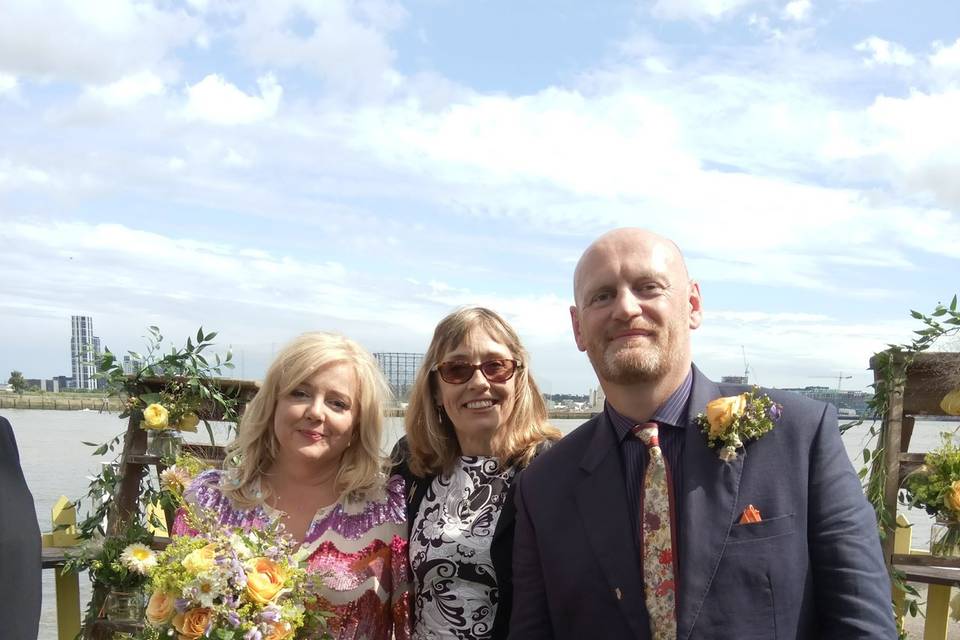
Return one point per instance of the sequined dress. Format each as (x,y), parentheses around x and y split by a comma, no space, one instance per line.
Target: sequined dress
(359,545)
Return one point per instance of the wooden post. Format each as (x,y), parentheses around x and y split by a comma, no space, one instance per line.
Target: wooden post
(938,610)
(891,463)
(902,540)
(64,519)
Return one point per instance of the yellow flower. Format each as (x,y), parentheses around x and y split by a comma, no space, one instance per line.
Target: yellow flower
(193,623)
(159,609)
(188,422)
(951,403)
(155,417)
(265,580)
(722,412)
(200,560)
(952,498)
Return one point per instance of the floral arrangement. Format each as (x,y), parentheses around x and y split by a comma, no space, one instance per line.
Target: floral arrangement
(175,479)
(231,584)
(119,564)
(189,384)
(731,421)
(935,487)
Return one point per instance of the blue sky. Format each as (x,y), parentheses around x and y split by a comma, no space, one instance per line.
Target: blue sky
(270,167)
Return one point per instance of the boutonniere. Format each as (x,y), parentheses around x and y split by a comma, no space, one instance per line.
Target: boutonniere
(733,420)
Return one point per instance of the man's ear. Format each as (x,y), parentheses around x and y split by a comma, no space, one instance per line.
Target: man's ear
(696,305)
(575,321)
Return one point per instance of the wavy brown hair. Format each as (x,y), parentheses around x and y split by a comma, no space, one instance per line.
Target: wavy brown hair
(254,450)
(431,439)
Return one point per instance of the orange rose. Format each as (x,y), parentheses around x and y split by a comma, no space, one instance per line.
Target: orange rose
(265,580)
(193,623)
(952,498)
(280,631)
(159,609)
(723,411)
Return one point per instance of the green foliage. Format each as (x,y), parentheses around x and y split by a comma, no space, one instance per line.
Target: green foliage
(931,486)
(17,381)
(101,557)
(189,377)
(891,373)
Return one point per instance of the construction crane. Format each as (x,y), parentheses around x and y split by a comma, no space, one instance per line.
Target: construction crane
(746,367)
(840,378)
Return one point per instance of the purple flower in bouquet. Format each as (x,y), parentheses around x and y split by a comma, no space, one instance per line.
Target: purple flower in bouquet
(233,619)
(181,605)
(270,613)
(253,634)
(774,411)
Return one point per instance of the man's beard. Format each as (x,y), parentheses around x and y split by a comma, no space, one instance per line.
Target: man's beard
(632,364)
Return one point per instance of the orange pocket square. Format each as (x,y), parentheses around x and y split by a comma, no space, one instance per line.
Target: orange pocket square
(750,514)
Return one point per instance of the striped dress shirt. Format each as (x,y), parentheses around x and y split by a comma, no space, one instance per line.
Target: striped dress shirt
(670,416)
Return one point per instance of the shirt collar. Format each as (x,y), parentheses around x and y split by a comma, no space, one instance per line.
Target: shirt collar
(671,412)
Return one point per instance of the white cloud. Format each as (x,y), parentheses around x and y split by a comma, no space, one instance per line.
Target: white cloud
(344,42)
(8,84)
(798,10)
(128,90)
(87,42)
(914,141)
(946,56)
(698,9)
(215,100)
(14,175)
(883,52)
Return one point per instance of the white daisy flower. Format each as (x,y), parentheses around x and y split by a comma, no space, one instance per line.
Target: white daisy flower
(138,558)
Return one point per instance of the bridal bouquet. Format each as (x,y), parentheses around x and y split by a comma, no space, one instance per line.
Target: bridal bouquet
(230,584)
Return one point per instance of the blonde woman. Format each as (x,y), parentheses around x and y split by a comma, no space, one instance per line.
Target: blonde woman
(476,418)
(308,454)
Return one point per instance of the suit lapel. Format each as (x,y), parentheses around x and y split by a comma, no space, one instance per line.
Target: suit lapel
(602,502)
(711,488)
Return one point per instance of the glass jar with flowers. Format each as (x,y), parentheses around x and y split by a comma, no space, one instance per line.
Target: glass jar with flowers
(120,566)
(935,487)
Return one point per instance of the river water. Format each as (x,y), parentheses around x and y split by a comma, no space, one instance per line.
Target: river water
(55,463)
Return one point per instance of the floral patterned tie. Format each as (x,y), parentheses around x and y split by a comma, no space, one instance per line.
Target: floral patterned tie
(660,586)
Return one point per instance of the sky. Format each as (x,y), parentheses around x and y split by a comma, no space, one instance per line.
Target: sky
(270,167)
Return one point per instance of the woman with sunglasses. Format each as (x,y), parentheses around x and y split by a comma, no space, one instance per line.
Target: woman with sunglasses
(476,418)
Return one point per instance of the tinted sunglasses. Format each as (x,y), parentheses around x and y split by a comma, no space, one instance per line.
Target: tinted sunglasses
(460,371)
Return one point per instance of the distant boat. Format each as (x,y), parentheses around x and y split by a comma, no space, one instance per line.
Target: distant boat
(847,414)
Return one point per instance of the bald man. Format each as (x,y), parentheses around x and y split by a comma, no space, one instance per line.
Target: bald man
(810,567)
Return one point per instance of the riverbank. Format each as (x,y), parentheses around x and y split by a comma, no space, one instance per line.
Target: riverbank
(90,402)
(59,402)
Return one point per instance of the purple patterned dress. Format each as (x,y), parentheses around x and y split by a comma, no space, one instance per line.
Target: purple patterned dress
(359,546)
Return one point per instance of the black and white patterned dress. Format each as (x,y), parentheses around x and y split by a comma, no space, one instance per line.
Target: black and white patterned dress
(455,586)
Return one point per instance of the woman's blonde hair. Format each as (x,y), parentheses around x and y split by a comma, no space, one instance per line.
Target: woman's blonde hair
(431,438)
(255,449)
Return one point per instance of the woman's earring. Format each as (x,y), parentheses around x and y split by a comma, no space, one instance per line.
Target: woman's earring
(440,414)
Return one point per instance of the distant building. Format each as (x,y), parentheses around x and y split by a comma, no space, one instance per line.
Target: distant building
(597,398)
(131,365)
(849,403)
(83,353)
(400,370)
(59,383)
(734,380)
(33,382)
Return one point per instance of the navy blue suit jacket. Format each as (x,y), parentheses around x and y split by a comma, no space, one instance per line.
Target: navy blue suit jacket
(812,568)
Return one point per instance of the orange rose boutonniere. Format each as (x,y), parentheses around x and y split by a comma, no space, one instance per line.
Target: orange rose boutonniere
(733,420)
